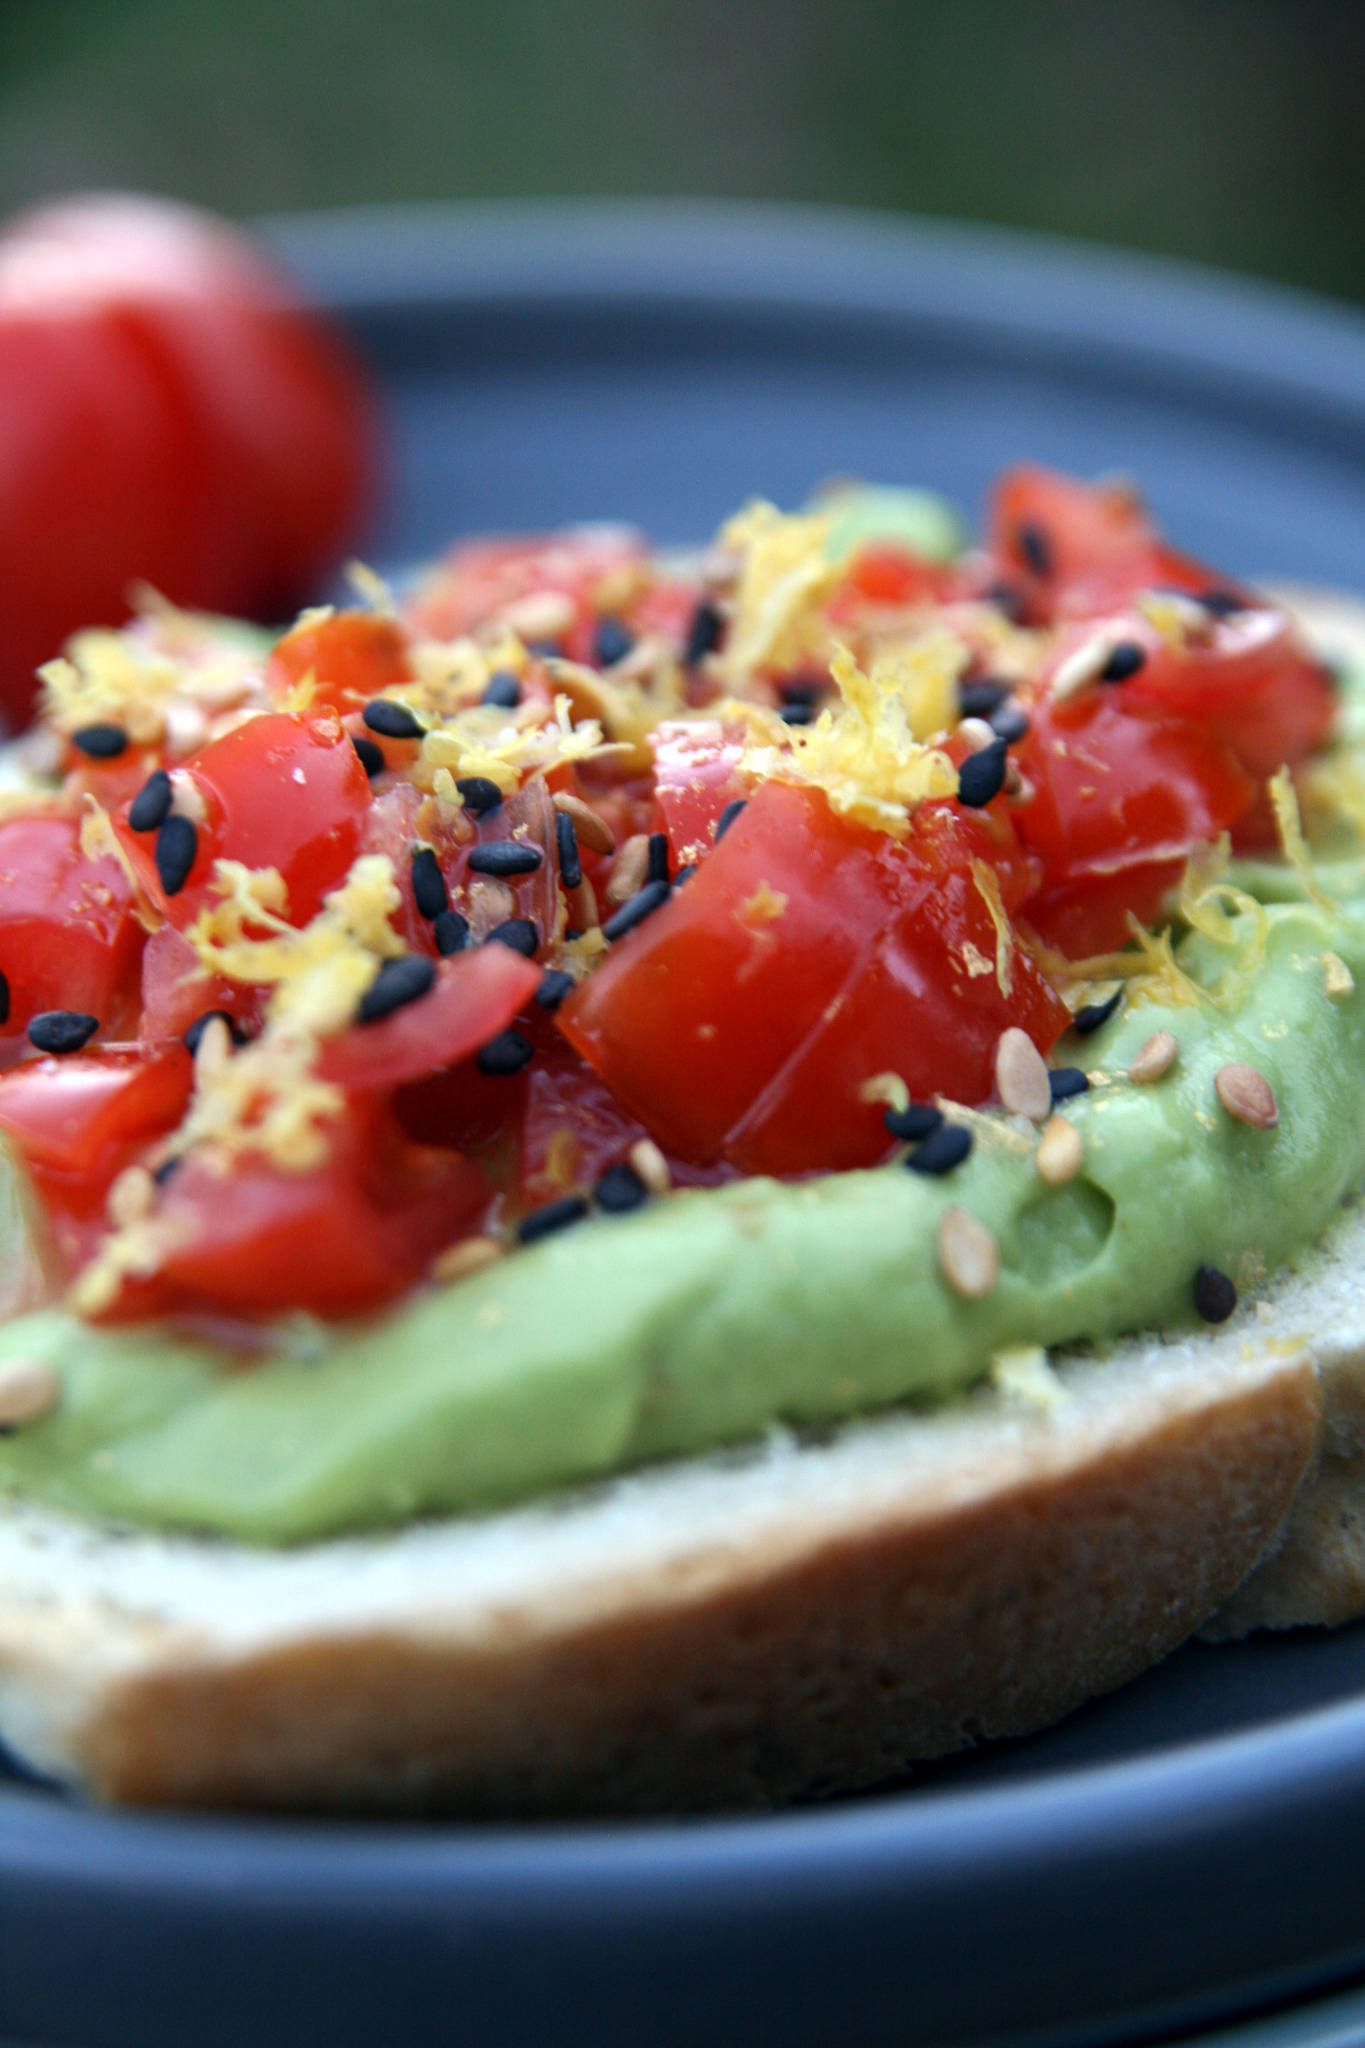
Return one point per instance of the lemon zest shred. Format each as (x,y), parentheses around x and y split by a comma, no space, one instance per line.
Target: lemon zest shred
(863,753)
(987,885)
(1293,845)
(784,577)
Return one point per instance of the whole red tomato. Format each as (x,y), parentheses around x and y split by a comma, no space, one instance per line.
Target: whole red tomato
(168,412)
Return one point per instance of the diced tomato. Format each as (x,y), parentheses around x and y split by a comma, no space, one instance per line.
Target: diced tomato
(475,996)
(340,1240)
(806,955)
(69,936)
(1074,548)
(351,656)
(77,1122)
(478,580)
(696,769)
(884,576)
(1121,797)
(1252,685)
(281,791)
(176,990)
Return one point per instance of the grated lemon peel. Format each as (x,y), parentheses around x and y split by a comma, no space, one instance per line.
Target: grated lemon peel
(865,754)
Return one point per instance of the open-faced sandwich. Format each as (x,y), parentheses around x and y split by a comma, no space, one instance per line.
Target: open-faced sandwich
(636,1182)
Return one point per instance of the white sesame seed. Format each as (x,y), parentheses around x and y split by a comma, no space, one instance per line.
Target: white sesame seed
(1246,1094)
(131,1197)
(213,1051)
(458,1261)
(1060,1153)
(650,1164)
(629,870)
(188,798)
(1156,1057)
(968,1255)
(1081,667)
(592,829)
(977,734)
(1337,977)
(28,1391)
(540,616)
(1021,1077)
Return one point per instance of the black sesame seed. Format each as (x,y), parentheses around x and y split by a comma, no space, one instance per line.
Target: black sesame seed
(398,982)
(684,874)
(429,890)
(1221,604)
(62,1030)
(1007,600)
(177,843)
(371,757)
(554,986)
(801,690)
(502,690)
(508,1053)
(798,713)
(1064,1082)
(942,1150)
(1090,1016)
(611,642)
(4,999)
(979,698)
(168,1167)
(505,857)
(553,1216)
(479,793)
(566,850)
(1215,1295)
(658,857)
(392,721)
(619,1189)
(1010,722)
(703,634)
(917,1120)
(152,804)
(1034,547)
(451,933)
(640,906)
(982,775)
(1126,657)
(546,646)
(192,1037)
(103,742)
(728,816)
(522,934)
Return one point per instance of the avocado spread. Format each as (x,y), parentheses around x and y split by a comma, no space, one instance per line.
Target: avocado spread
(699,1320)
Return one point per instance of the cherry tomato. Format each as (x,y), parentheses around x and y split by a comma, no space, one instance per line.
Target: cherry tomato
(69,937)
(805,956)
(167,412)
(281,791)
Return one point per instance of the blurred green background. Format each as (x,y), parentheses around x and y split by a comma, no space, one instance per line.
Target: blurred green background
(1225,130)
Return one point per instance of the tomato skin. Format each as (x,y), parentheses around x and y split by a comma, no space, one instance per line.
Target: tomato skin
(351,655)
(280,791)
(167,411)
(806,954)
(342,1240)
(69,938)
(479,579)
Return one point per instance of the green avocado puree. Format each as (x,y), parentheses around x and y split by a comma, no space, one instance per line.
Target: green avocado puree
(700,1320)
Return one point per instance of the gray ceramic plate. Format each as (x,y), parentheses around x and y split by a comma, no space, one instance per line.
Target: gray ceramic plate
(1184,1852)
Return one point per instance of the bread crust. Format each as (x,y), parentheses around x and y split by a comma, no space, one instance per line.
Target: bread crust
(913,1586)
